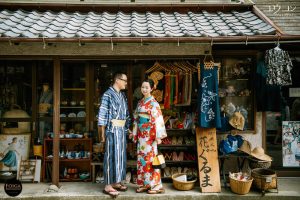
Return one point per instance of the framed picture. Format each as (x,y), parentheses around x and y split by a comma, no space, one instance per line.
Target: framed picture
(291,143)
(13,148)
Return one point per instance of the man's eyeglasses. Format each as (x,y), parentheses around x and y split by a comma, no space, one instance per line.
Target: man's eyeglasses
(123,80)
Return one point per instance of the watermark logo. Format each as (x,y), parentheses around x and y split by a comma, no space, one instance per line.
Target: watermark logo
(282,9)
(13,187)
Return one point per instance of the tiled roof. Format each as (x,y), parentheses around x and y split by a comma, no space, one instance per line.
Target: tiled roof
(50,24)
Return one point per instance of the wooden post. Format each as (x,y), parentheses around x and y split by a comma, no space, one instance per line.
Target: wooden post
(208,163)
(56,122)
(264,130)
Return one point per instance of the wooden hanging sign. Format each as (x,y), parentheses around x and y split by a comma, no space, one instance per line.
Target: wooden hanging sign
(208,164)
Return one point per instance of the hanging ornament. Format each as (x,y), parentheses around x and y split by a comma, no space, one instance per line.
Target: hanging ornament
(157,75)
(208,62)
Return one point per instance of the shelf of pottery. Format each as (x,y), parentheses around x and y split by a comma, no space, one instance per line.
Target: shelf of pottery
(74,159)
(73,104)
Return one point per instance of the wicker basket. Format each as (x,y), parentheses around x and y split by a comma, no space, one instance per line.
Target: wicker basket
(240,187)
(182,185)
(264,179)
(259,164)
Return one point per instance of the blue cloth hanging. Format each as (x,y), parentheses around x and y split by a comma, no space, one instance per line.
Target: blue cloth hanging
(208,99)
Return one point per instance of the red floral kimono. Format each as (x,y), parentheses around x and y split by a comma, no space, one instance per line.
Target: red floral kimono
(148,125)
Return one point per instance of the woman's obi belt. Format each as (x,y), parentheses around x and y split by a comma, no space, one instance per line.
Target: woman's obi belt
(118,122)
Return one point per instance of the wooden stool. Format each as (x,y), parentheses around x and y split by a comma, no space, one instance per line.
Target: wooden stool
(94,169)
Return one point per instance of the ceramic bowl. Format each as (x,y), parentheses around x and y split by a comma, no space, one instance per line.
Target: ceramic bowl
(84,175)
(64,103)
(73,103)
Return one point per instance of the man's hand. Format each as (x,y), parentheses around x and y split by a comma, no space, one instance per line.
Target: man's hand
(101,133)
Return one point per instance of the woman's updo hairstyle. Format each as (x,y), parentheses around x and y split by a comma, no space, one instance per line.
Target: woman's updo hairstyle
(151,83)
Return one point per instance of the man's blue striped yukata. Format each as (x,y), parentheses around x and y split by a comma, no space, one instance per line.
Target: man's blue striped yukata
(114,106)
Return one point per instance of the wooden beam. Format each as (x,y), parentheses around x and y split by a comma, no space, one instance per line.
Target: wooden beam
(34,102)
(53,42)
(90,80)
(56,122)
(88,95)
(127,7)
(264,130)
(129,87)
(104,49)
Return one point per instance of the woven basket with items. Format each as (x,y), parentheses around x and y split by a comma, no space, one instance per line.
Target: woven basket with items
(240,183)
(264,179)
(181,181)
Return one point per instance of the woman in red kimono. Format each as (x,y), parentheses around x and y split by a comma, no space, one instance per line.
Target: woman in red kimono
(148,130)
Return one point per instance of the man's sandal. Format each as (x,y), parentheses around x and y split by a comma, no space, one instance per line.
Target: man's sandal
(142,189)
(112,193)
(120,187)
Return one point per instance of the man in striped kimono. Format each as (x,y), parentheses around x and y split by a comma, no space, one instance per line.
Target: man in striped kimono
(113,122)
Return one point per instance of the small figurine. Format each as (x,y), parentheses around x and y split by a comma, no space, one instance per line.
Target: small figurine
(230,90)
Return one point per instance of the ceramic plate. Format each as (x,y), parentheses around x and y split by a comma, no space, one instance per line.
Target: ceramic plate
(71,115)
(81,114)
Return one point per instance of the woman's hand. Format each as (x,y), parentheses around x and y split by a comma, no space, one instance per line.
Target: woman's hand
(130,136)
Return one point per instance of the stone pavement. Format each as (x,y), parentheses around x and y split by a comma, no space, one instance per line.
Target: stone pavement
(289,189)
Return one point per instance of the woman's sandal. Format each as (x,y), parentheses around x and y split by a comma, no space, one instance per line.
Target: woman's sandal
(120,187)
(112,193)
(167,172)
(180,140)
(168,156)
(187,140)
(180,156)
(174,156)
(174,140)
(142,189)
(159,191)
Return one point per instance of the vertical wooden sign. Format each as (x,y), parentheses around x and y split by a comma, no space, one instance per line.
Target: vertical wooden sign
(208,163)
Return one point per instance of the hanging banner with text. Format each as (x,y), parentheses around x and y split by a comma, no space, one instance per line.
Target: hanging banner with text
(208,163)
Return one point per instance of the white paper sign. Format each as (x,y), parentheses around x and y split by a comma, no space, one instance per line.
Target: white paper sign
(294,92)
